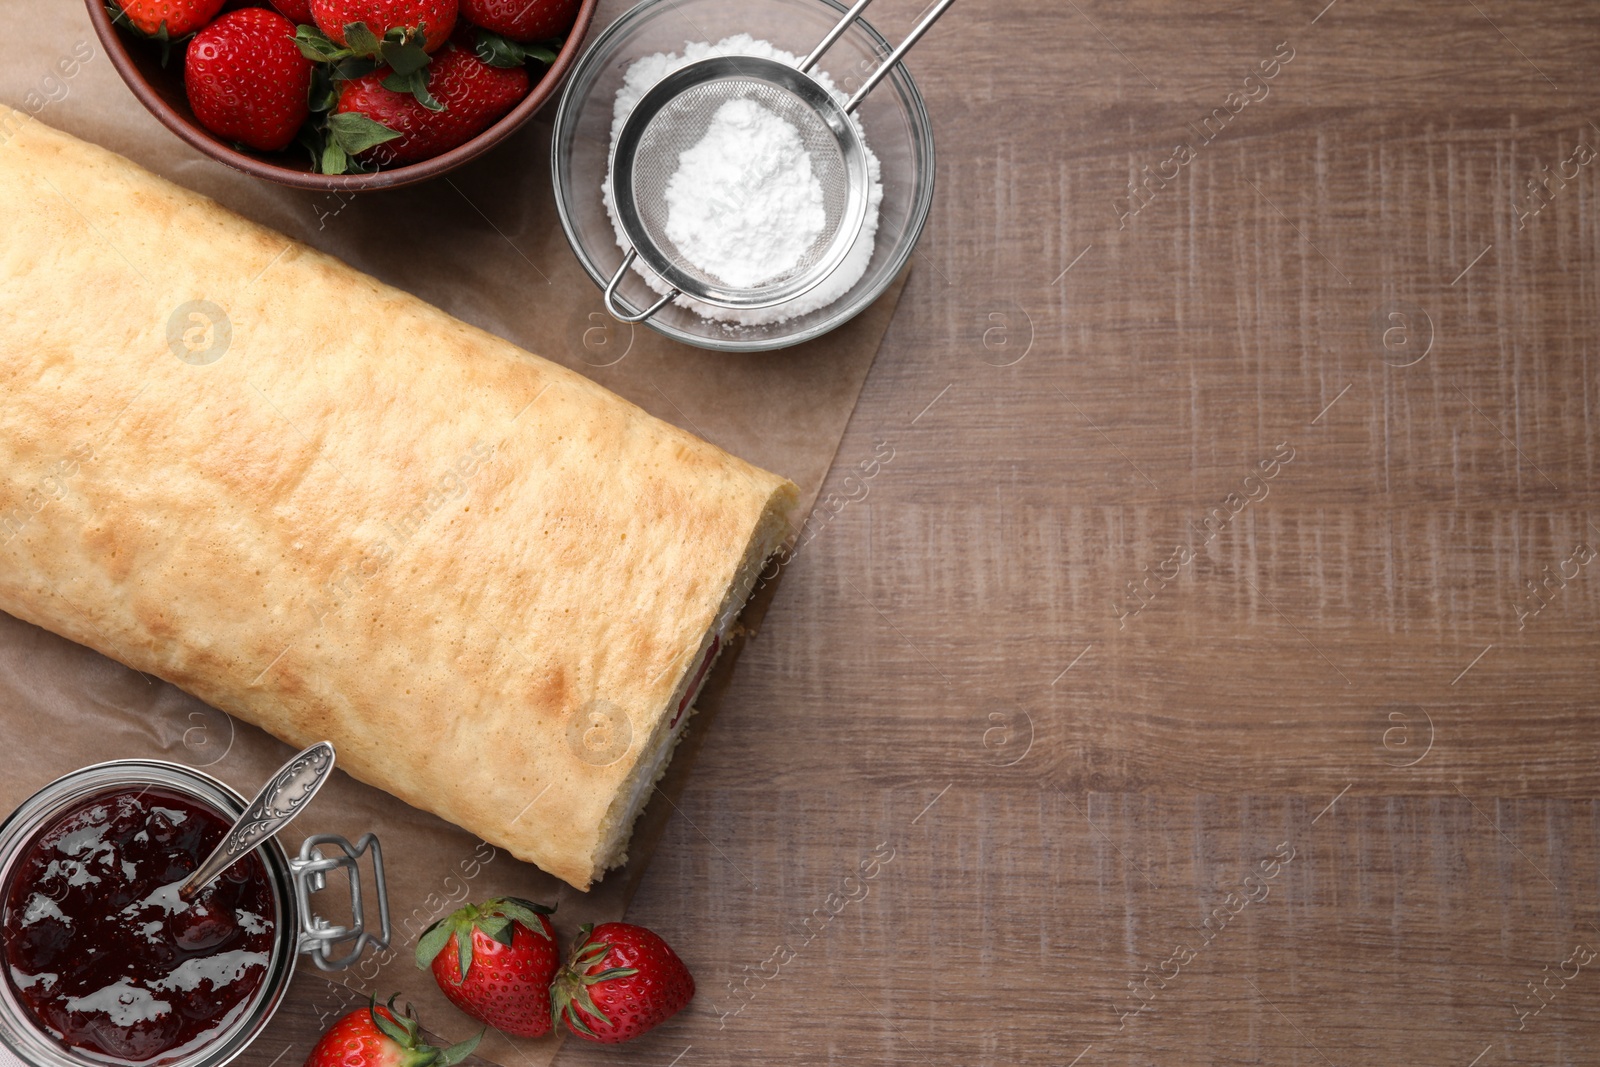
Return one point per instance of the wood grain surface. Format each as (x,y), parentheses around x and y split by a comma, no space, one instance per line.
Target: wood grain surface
(1193,659)
(1074,776)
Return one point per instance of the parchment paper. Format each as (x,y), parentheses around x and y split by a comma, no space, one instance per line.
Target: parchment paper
(486,246)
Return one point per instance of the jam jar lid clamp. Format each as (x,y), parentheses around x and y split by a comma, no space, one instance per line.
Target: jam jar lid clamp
(310,872)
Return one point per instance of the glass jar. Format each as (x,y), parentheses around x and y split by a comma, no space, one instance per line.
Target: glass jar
(298,929)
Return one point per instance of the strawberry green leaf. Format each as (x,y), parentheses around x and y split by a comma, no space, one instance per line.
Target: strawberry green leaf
(567,995)
(334,160)
(567,1003)
(310,137)
(464,949)
(499,51)
(525,912)
(585,1003)
(404,57)
(164,39)
(328,155)
(391,1024)
(361,40)
(459,1051)
(541,909)
(322,96)
(500,928)
(317,46)
(528,920)
(408,1020)
(610,973)
(415,83)
(355,132)
(353,67)
(575,1021)
(166,43)
(432,942)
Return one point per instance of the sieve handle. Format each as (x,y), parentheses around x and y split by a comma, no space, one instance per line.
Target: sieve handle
(611,294)
(898,54)
(833,35)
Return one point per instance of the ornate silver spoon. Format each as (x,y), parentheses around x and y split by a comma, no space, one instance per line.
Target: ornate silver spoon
(280,800)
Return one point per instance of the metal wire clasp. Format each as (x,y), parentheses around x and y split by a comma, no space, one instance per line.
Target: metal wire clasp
(310,872)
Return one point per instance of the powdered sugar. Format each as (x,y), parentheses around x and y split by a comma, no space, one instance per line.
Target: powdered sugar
(744,204)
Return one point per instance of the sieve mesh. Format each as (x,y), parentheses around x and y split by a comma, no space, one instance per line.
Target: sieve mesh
(683,122)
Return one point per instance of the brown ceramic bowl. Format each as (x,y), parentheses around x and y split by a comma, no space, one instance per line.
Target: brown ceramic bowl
(161,91)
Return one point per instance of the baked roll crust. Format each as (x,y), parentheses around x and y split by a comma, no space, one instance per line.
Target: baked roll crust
(330,509)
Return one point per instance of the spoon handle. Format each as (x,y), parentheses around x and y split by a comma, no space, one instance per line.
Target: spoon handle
(280,800)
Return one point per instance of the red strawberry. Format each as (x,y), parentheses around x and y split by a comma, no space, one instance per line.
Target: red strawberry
(382,1037)
(473,93)
(495,962)
(622,981)
(246,79)
(296,11)
(522,20)
(180,17)
(434,19)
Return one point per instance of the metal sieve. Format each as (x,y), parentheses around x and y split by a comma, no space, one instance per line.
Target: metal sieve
(674,116)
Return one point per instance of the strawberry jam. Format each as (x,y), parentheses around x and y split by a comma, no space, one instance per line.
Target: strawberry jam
(103,953)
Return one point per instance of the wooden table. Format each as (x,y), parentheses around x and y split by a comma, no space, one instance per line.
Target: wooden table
(1319,786)
(1193,659)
